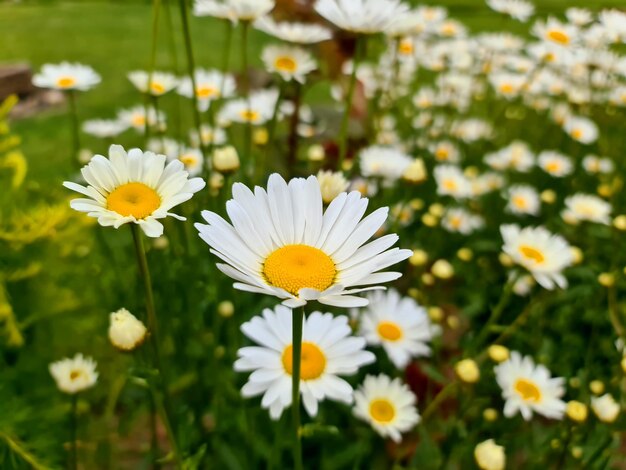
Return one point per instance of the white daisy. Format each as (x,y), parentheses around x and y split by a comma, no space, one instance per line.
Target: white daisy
(452,182)
(586,207)
(192,159)
(528,388)
(555,32)
(257,110)
(516,156)
(210,85)
(387,163)
(328,350)
(555,163)
(290,62)
(208,136)
(135,117)
(104,128)
(544,254)
(361,16)
(298,33)
(594,164)
(387,405)
(134,187)
(520,10)
(66,76)
(233,10)
(579,16)
(73,375)
(398,324)
(523,199)
(508,85)
(459,220)
(606,408)
(156,84)
(445,151)
(581,129)
(283,244)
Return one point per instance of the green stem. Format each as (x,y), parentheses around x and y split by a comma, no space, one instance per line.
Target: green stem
(245,85)
(174,58)
(343,133)
(298,318)
(74,432)
(292,154)
(162,404)
(156,11)
(271,127)
(439,398)
(71,94)
(496,313)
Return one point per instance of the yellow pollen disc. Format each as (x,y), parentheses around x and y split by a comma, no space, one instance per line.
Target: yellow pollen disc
(576,133)
(293,267)
(157,88)
(312,362)
(448,30)
(527,390)
(558,36)
(450,185)
(139,120)
(455,222)
(134,199)
(249,115)
(550,57)
(285,64)
(531,253)
(66,82)
(506,88)
(75,374)
(389,331)
(382,411)
(442,154)
(406,47)
(188,159)
(207,92)
(520,202)
(553,167)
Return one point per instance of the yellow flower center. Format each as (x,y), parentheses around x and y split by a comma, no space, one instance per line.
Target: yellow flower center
(450,185)
(293,267)
(406,47)
(66,82)
(188,159)
(249,115)
(442,154)
(531,253)
(382,411)
(527,390)
(520,202)
(558,36)
(553,167)
(312,362)
(134,199)
(75,374)
(286,64)
(207,92)
(157,88)
(139,120)
(389,331)
(576,133)
(506,88)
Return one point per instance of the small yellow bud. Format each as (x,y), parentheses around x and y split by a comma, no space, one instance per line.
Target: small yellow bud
(555,444)
(347,165)
(623,364)
(160,243)
(596,387)
(436,209)
(126,332)
(467,370)
(428,279)
(548,196)
(465,254)
(435,314)
(606,279)
(429,220)
(605,408)
(417,204)
(216,182)
(453,322)
(605,190)
(505,260)
(414,292)
(577,254)
(442,269)
(220,351)
(471,172)
(225,309)
(316,153)
(498,353)
(226,159)
(574,382)
(260,136)
(576,411)
(490,414)
(490,456)
(415,172)
(619,222)
(419,258)
(577,452)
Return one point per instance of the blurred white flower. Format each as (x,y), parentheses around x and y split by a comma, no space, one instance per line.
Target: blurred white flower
(490,456)
(155,83)
(362,16)
(581,129)
(387,163)
(523,199)
(233,10)
(520,10)
(459,220)
(452,182)
(331,184)
(299,33)
(290,62)
(606,408)
(586,207)
(126,332)
(210,85)
(257,110)
(73,375)
(555,163)
(104,128)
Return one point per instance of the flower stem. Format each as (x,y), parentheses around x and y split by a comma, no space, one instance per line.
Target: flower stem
(71,94)
(496,313)
(163,404)
(292,154)
(156,11)
(296,350)
(74,432)
(245,85)
(343,133)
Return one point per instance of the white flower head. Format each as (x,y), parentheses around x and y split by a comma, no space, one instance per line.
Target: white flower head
(234,10)
(398,324)
(528,388)
(523,199)
(387,163)
(586,207)
(331,184)
(459,220)
(520,10)
(606,408)
(556,32)
(452,182)
(362,16)
(136,117)
(66,76)
(104,128)
(256,110)
(328,351)
(387,405)
(73,375)
(555,163)
(594,164)
(126,332)
(282,243)
(490,456)
(210,86)
(581,129)
(542,253)
(155,83)
(290,62)
(134,187)
(298,33)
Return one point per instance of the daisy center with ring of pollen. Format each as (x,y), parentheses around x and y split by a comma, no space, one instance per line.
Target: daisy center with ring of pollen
(527,390)
(134,199)
(66,82)
(382,411)
(312,362)
(389,331)
(531,253)
(293,267)
(286,64)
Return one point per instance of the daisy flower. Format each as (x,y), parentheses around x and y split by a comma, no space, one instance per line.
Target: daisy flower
(586,207)
(73,375)
(516,156)
(528,388)
(387,405)
(290,62)
(257,110)
(192,159)
(283,244)
(579,16)
(387,163)
(104,128)
(134,187)
(544,254)
(520,10)
(361,16)
(555,163)
(66,76)
(156,84)
(459,220)
(298,33)
(136,116)
(555,32)
(210,85)
(606,408)
(508,85)
(452,182)
(328,350)
(208,136)
(445,151)
(398,324)
(234,10)
(594,164)
(523,199)
(581,129)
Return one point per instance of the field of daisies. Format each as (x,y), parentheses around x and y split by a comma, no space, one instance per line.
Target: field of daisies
(318,234)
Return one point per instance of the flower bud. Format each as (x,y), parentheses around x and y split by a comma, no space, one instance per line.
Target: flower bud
(331,184)
(226,159)
(498,353)
(419,258)
(415,172)
(619,222)
(260,136)
(316,153)
(126,332)
(467,370)
(597,387)
(576,411)
(490,456)
(605,408)
(465,254)
(490,414)
(225,309)
(442,269)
